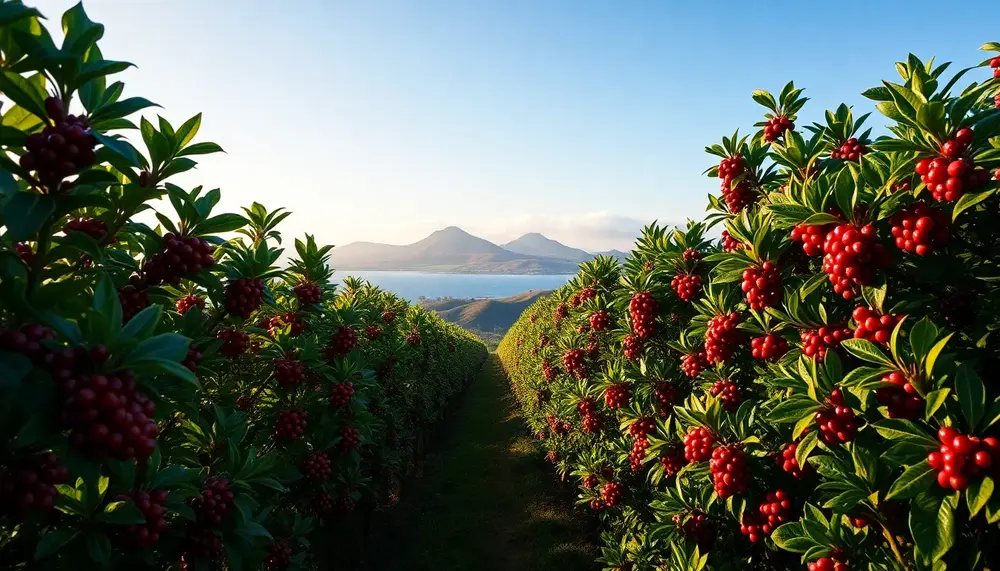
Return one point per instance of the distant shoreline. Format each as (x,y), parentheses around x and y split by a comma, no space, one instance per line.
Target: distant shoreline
(457,272)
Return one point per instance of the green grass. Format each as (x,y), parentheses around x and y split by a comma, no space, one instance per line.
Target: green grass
(486,499)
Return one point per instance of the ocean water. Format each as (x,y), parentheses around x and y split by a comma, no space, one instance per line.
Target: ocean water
(412,285)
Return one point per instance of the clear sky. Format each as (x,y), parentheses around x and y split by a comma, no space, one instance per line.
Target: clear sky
(384,120)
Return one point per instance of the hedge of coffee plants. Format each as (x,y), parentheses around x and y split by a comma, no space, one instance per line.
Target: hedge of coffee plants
(816,389)
(171,398)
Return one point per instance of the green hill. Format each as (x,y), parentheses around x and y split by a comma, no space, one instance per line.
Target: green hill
(488,318)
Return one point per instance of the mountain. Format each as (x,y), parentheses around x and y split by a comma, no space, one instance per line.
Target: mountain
(451,250)
(617,254)
(488,318)
(535,244)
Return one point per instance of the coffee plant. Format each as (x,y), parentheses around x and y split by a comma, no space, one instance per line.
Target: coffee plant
(170,397)
(815,390)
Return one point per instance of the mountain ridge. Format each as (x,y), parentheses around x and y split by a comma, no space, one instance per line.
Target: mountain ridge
(453,250)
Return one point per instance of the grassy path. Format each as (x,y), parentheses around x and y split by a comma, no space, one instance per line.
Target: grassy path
(486,499)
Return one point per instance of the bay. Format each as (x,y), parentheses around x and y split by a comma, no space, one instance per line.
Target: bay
(413,285)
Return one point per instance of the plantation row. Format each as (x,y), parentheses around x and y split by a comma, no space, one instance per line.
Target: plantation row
(169,397)
(816,390)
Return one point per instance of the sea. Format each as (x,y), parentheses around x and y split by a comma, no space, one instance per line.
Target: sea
(414,285)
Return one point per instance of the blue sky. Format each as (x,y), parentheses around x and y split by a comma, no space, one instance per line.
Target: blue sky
(384,120)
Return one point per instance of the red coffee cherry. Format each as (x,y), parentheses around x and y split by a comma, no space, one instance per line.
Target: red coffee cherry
(722,337)
(317,467)
(235,343)
(698,444)
(730,244)
(775,510)
(901,399)
(632,347)
(852,256)
(776,127)
(786,459)
(762,286)
(837,423)
(617,395)
(341,394)
(849,150)
(687,286)
(694,363)
(815,342)
(612,493)
(769,347)
(307,292)
(643,309)
(673,460)
(214,501)
(291,424)
(341,343)
(730,471)
(872,326)
(741,194)
(728,393)
(244,296)
(599,320)
(919,229)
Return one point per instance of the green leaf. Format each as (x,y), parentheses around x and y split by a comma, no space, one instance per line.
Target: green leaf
(119,147)
(142,324)
(805,447)
(922,338)
(13,368)
(169,477)
(53,541)
(81,32)
(121,513)
(866,351)
(934,353)
(902,429)
(915,480)
(793,409)
(971,393)
(100,68)
(200,149)
(968,200)
(977,494)
(32,431)
(932,526)
(22,93)
(120,109)
(11,12)
(106,304)
(25,213)
(98,548)
(935,399)
(791,537)
(187,131)
(166,346)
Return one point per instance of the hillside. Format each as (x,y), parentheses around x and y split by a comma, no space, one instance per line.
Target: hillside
(451,250)
(489,318)
(535,244)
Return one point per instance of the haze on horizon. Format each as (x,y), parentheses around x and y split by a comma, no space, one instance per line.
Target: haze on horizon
(385,120)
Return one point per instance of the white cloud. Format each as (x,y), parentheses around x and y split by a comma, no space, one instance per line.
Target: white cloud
(593,231)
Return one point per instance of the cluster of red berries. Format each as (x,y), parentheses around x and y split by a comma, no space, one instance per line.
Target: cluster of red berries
(691,255)
(588,412)
(643,309)
(730,471)
(279,556)
(388,317)
(742,194)
(589,481)
(815,342)
(552,456)
(769,347)
(307,292)
(61,149)
(612,493)
(200,544)
(342,342)
(638,453)
(373,332)
(573,362)
(181,256)
(559,427)
(828,564)
(152,505)
(686,285)
(812,237)
(632,347)
(292,320)
(901,399)
(961,457)
(837,423)
(92,227)
(995,64)
(244,296)
(133,297)
(189,302)
(617,395)
(851,257)
(772,512)
(786,459)
(587,294)
(234,342)
(950,175)
(105,413)
(872,326)
(27,340)
(698,444)
(730,244)
(289,372)
(722,337)
(291,424)
(673,460)
(341,394)
(549,372)
(642,427)
(30,484)
(25,252)
(728,393)
(561,311)
(849,150)
(697,529)
(413,338)
(350,437)
(213,503)
(316,466)
(776,126)
(600,320)
(666,396)
(762,285)
(694,363)
(193,358)
(919,229)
